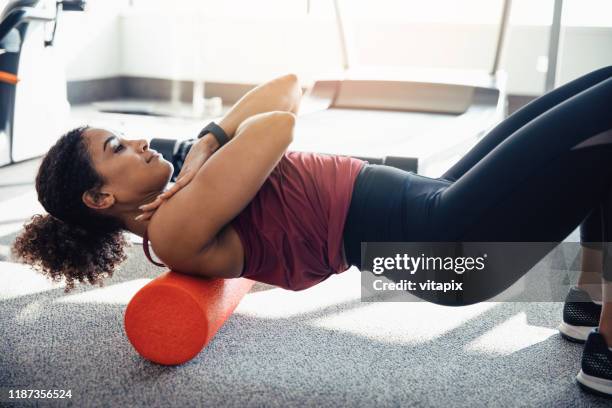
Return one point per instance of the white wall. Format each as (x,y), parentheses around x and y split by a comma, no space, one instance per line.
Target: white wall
(241,50)
(585,48)
(90,41)
(247,50)
(111,39)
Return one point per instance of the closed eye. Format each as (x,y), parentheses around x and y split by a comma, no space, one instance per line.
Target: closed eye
(118,148)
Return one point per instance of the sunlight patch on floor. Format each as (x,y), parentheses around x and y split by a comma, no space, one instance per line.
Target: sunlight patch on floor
(15,211)
(20,280)
(280,303)
(510,336)
(117,294)
(401,322)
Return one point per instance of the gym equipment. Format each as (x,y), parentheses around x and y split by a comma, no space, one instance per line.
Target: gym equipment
(429,116)
(172,318)
(35,108)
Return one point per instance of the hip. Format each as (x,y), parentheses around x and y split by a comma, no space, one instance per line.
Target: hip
(389,205)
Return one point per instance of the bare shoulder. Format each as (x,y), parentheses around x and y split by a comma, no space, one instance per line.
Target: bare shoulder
(162,231)
(221,257)
(173,229)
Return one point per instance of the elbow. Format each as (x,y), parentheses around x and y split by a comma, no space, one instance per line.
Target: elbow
(282,123)
(294,94)
(274,125)
(292,80)
(287,120)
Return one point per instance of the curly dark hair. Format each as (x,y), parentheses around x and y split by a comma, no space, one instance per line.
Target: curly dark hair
(72,240)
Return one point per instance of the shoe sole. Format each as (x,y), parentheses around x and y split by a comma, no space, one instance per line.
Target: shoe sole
(597,385)
(577,334)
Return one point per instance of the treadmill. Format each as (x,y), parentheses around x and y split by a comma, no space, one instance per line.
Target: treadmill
(415,119)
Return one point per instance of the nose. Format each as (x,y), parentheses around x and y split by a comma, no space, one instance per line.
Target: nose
(143,145)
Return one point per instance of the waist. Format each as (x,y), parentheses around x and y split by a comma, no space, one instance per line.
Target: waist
(388,205)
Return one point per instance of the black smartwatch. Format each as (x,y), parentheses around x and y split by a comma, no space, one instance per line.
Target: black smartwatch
(216,131)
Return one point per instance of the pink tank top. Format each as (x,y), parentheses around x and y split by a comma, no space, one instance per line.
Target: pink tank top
(291,231)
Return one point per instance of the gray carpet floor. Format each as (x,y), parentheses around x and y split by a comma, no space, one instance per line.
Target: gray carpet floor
(321,347)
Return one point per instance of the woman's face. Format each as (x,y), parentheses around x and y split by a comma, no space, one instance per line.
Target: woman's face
(131,171)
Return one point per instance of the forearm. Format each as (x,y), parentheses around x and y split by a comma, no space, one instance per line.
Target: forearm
(280,94)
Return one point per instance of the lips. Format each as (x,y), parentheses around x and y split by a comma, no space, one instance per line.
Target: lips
(152,156)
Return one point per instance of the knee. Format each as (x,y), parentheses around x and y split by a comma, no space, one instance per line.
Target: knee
(606,72)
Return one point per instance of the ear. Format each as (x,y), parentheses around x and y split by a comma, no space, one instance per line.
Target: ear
(98,200)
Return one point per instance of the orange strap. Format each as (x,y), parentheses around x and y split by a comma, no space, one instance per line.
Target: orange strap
(8,78)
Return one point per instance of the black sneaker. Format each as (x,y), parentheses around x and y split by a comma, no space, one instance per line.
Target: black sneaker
(580,316)
(596,372)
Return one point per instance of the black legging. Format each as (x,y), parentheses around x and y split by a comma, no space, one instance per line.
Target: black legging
(533,178)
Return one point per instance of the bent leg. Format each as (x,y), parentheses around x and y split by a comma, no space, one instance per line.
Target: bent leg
(591,234)
(536,186)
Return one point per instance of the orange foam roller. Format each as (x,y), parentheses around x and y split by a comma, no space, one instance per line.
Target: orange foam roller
(172,318)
